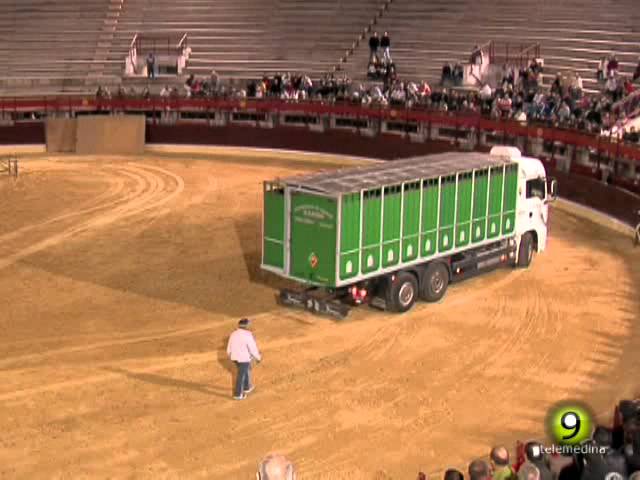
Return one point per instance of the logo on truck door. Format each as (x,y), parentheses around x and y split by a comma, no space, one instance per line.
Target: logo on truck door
(313,260)
(313,215)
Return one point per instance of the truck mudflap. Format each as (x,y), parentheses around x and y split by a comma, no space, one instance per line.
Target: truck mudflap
(310,301)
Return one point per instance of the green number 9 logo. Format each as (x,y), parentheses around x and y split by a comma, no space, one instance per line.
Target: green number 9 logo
(570,423)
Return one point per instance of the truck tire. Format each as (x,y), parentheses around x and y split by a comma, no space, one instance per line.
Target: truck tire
(525,252)
(434,282)
(402,292)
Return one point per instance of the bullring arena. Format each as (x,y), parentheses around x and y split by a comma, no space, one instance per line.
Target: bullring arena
(135,137)
(122,277)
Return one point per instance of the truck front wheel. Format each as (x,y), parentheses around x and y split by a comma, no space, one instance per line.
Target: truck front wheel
(525,252)
(401,292)
(434,282)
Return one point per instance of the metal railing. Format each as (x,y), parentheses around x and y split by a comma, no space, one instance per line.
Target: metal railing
(519,55)
(183,43)
(160,44)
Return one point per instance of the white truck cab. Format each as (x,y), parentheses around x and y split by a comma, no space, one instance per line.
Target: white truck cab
(533,200)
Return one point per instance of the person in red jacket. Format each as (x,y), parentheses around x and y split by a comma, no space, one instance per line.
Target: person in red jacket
(628,87)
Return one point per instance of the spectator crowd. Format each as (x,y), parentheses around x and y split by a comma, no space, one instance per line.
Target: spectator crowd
(381,64)
(611,454)
(519,95)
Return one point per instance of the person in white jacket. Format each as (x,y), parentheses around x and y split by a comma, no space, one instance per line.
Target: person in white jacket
(242,349)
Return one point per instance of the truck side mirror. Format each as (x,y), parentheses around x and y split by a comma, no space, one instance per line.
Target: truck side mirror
(553,190)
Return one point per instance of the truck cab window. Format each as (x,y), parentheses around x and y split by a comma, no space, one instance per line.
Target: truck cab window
(536,188)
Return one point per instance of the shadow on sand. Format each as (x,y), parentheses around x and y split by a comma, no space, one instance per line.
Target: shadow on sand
(225,363)
(164,381)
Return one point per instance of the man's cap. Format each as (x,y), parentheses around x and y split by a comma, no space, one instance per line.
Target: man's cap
(244,323)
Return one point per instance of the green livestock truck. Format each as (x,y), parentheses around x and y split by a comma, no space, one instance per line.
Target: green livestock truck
(396,231)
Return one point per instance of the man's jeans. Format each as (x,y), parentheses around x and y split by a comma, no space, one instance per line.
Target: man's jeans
(386,56)
(243,380)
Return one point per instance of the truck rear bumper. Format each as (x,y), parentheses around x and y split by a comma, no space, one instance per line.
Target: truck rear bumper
(311,301)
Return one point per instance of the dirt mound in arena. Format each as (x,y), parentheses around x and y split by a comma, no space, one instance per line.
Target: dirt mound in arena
(121,279)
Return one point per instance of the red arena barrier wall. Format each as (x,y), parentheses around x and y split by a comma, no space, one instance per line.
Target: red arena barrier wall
(173,122)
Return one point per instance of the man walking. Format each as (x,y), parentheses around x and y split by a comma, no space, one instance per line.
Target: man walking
(242,349)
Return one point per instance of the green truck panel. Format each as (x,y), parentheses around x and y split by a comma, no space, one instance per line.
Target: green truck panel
(313,238)
(430,204)
(447,213)
(411,222)
(371,218)
(480,202)
(350,233)
(392,221)
(495,202)
(273,227)
(510,200)
(341,238)
(463,209)
(350,236)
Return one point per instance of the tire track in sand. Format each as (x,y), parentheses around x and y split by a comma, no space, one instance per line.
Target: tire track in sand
(180,360)
(151,191)
(375,339)
(104,200)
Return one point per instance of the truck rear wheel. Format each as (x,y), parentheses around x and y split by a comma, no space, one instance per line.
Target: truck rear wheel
(434,282)
(525,252)
(401,292)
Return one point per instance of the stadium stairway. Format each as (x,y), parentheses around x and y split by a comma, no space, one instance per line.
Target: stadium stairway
(72,45)
(573,35)
(246,38)
(49,44)
(106,37)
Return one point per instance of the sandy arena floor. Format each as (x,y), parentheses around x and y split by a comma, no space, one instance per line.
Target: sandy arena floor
(120,280)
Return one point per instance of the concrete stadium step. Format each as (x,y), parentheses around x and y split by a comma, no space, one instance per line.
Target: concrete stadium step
(421,33)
